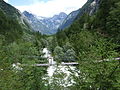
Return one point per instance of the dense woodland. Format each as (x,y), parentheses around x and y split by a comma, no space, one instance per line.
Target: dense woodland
(19,45)
(94,38)
(92,41)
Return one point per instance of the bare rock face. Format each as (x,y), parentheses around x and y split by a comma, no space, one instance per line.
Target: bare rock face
(45,25)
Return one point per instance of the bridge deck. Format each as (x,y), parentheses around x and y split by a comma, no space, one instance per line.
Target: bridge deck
(47,64)
(69,63)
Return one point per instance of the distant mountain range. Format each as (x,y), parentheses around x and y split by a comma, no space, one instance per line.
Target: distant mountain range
(43,24)
(49,25)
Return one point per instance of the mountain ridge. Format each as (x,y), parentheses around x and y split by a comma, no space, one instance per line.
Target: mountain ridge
(45,25)
(89,7)
(14,13)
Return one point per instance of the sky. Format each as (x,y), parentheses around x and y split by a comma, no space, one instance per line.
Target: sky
(47,8)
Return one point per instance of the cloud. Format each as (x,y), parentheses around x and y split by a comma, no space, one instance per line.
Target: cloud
(52,7)
(6,0)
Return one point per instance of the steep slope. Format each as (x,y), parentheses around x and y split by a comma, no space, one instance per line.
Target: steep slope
(43,24)
(69,19)
(10,29)
(96,41)
(54,22)
(13,25)
(105,23)
(14,13)
(18,45)
(36,24)
(90,7)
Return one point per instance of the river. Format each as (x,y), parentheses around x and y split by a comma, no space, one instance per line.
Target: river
(62,73)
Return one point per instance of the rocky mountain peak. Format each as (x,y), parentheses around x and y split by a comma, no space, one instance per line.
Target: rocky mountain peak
(28,14)
(44,24)
(62,14)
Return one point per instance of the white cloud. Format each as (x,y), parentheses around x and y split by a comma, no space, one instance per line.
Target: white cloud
(6,0)
(52,7)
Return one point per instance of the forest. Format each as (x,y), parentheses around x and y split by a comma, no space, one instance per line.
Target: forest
(92,40)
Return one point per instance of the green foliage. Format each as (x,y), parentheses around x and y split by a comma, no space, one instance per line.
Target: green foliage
(31,78)
(59,54)
(91,40)
(113,23)
(94,40)
(70,55)
(9,10)
(106,20)
(11,29)
(99,68)
(61,38)
(22,48)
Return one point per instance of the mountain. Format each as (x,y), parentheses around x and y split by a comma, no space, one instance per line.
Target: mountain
(54,22)
(36,24)
(43,24)
(89,7)
(13,25)
(14,13)
(95,40)
(69,19)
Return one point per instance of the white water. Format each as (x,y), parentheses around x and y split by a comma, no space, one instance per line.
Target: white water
(47,55)
(16,66)
(64,71)
(51,69)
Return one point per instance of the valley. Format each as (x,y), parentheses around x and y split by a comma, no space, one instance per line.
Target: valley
(76,51)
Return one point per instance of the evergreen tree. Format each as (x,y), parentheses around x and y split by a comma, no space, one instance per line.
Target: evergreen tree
(113,23)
